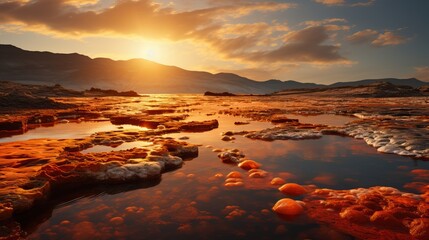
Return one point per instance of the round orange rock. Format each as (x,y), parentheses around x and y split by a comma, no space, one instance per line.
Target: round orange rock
(287,206)
(277,181)
(116,220)
(234,184)
(249,164)
(292,189)
(234,174)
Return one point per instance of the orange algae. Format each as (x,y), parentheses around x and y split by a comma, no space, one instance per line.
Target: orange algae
(374,213)
(292,189)
(287,206)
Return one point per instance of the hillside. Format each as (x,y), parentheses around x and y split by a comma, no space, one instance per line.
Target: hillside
(78,72)
(374,89)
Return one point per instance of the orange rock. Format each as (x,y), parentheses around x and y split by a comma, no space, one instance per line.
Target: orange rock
(249,164)
(191,175)
(184,228)
(218,175)
(229,180)
(6,211)
(233,212)
(354,215)
(386,220)
(258,174)
(234,184)
(419,228)
(234,174)
(116,220)
(65,222)
(292,189)
(134,209)
(287,206)
(277,181)
(265,211)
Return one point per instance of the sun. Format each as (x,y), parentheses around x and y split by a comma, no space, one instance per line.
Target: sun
(151,52)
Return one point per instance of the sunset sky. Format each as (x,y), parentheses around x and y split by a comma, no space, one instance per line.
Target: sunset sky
(320,41)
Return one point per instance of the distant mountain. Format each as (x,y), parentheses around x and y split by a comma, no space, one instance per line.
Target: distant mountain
(413,82)
(80,72)
(374,89)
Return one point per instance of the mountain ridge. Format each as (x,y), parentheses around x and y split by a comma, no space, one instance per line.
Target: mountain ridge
(77,71)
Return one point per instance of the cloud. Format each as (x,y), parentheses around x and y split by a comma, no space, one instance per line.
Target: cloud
(81,2)
(376,39)
(302,46)
(217,26)
(331,2)
(363,4)
(331,24)
(349,3)
(422,73)
(126,17)
(324,21)
(364,36)
(389,38)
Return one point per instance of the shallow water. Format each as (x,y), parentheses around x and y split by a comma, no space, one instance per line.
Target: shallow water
(123,146)
(192,202)
(325,119)
(68,130)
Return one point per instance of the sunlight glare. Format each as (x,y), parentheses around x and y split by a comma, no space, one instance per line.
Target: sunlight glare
(151,52)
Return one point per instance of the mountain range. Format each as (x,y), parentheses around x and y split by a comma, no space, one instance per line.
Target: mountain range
(80,72)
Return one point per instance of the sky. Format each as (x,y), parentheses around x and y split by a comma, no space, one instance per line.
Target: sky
(320,41)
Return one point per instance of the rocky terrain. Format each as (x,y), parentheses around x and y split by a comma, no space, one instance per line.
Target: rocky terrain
(35,170)
(15,96)
(22,100)
(59,91)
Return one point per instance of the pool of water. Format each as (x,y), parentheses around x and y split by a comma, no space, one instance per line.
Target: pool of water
(69,130)
(326,119)
(123,146)
(192,202)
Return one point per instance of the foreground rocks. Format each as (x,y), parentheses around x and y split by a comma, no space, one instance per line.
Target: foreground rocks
(396,135)
(31,170)
(23,100)
(374,213)
(389,125)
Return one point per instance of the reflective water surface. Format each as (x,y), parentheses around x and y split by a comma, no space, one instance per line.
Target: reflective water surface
(193,203)
(68,130)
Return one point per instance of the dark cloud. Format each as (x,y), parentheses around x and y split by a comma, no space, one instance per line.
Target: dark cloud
(302,46)
(306,45)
